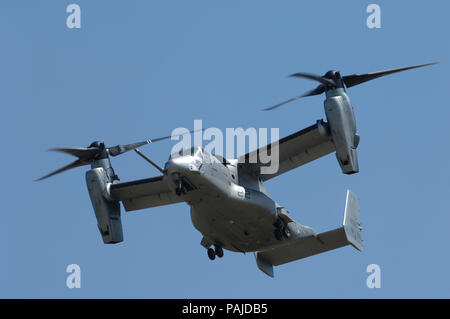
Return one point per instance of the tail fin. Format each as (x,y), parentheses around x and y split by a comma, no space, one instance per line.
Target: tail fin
(352,223)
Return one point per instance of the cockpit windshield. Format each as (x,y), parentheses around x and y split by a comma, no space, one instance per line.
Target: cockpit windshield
(193,151)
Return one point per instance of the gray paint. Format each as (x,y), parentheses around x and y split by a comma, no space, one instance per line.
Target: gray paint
(106,211)
(229,204)
(342,126)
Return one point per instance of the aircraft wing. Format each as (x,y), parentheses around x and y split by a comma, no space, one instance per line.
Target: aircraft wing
(294,150)
(143,193)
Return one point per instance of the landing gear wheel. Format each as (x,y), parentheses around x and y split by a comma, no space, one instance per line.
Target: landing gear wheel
(179,189)
(219,251)
(286,232)
(211,254)
(278,234)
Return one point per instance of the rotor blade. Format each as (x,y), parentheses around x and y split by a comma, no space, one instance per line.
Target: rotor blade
(65,168)
(80,152)
(119,149)
(317,78)
(355,79)
(318,90)
(175,135)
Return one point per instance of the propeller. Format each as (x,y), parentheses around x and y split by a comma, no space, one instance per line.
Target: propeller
(97,150)
(333,80)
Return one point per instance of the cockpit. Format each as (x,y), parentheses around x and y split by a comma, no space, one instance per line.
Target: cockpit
(193,151)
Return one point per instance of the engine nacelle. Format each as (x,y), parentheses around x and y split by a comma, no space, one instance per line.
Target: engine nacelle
(342,126)
(107,211)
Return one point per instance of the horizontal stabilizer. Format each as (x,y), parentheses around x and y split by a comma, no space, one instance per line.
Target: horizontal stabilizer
(348,234)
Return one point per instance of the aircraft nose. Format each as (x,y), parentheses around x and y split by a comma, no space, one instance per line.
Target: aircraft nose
(181,165)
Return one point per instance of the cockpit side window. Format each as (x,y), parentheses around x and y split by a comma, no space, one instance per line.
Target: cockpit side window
(198,152)
(193,151)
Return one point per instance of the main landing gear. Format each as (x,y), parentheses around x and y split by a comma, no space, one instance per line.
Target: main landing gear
(181,188)
(216,251)
(281,230)
(182,184)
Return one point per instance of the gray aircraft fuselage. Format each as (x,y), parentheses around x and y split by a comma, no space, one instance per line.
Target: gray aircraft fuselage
(228,206)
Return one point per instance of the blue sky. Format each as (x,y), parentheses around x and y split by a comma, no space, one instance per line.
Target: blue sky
(138,69)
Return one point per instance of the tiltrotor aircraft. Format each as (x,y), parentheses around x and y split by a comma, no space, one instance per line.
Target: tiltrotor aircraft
(229,204)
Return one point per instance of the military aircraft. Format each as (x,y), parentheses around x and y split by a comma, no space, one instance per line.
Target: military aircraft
(229,203)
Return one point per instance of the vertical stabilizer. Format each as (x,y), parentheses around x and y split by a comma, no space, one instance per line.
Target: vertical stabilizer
(352,223)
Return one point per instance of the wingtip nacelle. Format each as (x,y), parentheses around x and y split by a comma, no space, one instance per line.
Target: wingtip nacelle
(106,211)
(350,164)
(342,128)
